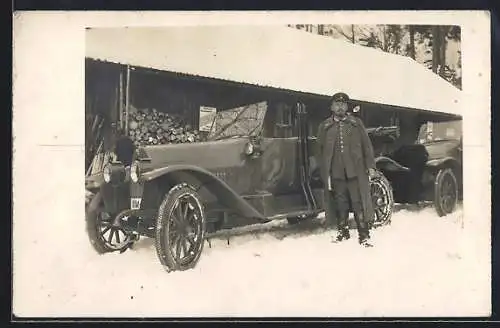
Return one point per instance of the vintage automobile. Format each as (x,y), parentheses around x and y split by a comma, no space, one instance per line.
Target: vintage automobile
(258,165)
(254,167)
(444,174)
(423,159)
(440,179)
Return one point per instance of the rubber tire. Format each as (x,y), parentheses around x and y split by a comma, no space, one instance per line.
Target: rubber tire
(165,255)
(442,173)
(91,211)
(388,187)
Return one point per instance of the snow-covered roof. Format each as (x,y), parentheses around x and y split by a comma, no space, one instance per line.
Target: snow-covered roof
(278,57)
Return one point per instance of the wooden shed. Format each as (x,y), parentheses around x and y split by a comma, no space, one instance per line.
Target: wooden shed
(180,69)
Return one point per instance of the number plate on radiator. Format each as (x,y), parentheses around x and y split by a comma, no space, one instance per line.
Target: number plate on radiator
(135,203)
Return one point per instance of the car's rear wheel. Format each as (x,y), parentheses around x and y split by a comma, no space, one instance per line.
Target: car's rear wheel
(445,192)
(180,229)
(382,199)
(103,235)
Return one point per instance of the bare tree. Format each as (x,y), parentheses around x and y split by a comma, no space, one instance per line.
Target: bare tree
(387,38)
(442,50)
(351,36)
(411,46)
(403,40)
(435,48)
(321,29)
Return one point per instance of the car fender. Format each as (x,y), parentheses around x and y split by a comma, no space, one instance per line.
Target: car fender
(388,164)
(434,163)
(213,183)
(94,202)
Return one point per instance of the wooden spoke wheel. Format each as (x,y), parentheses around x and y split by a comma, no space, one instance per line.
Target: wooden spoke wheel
(103,236)
(382,199)
(445,192)
(180,229)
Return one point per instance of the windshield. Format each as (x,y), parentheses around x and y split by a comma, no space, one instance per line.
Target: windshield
(436,131)
(238,122)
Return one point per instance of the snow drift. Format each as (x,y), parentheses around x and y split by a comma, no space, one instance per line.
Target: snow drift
(421,266)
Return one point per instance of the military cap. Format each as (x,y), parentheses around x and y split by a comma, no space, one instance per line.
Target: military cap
(340,97)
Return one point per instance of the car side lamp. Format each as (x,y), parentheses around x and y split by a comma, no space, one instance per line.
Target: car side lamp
(252,148)
(137,168)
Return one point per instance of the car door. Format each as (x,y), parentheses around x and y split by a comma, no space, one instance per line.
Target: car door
(279,151)
(284,174)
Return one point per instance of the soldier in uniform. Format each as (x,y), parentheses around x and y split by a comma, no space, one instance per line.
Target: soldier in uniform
(346,162)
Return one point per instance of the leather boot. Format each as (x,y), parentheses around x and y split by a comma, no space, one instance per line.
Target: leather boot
(342,226)
(363,229)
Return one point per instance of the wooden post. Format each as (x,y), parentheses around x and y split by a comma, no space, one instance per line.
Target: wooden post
(120,99)
(127,99)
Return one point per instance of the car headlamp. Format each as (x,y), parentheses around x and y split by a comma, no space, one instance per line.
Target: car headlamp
(135,172)
(106,173)
(114,173)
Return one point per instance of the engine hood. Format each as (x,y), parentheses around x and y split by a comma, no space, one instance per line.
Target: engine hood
(441,148)
(210,155)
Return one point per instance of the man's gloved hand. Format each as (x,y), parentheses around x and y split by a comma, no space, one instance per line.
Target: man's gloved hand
(371,173)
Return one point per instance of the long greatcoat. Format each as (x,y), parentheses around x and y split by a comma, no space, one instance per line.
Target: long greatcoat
(362,157)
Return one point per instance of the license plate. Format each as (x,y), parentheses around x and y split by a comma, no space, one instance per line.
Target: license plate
(135,203)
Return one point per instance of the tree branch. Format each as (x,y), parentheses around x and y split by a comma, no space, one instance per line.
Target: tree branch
(340,30)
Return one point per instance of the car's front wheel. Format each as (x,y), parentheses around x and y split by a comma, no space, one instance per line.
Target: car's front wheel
(445,191)
(104,236)
(180,229)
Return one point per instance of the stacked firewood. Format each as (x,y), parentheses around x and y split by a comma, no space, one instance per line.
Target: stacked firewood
(152,127)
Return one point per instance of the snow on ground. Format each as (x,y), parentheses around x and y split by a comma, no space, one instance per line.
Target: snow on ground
(421,266)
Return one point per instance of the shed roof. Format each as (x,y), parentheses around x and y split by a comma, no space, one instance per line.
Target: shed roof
(278,57)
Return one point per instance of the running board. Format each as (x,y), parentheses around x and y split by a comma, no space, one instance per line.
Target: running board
(294,214)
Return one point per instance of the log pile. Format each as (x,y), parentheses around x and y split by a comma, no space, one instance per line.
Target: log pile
(152,127)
